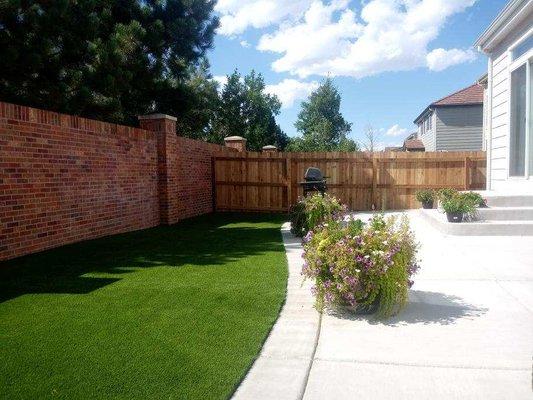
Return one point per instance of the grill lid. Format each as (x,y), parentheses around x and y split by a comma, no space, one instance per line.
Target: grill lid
(313,174)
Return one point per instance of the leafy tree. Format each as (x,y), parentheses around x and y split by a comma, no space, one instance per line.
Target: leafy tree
(109,60)
(246,110)
(202,104)
(321,123)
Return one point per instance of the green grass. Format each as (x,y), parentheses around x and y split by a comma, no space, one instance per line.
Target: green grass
(174,312)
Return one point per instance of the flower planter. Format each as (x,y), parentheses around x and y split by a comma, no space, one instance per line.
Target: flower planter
(361,309)
(427,204)
(454,217)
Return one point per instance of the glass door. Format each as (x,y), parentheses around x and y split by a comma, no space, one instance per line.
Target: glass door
(517,145)
(521,108)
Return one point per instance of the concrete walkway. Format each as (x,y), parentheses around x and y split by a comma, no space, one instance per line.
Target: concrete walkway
(467,332)
(282,369)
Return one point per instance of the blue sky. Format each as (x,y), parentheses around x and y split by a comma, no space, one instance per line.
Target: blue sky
(389,58)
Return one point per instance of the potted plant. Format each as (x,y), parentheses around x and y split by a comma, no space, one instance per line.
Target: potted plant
(362,267)
(477,199)
(457,206)
(426,197)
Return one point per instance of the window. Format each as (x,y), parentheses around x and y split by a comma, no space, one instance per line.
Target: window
(517,156)
(521,129)
(522,47)
(427,123)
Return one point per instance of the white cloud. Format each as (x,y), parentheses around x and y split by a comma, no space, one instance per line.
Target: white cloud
(238,15)
(245,43)
(290,90)
(221,80)
(395,130)
(315,37)
(440,59)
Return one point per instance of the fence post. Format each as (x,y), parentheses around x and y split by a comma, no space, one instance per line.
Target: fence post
(467,173)
(288,178)
(374,181)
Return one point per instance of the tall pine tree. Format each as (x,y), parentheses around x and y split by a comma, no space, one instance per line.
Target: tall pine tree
(110,60)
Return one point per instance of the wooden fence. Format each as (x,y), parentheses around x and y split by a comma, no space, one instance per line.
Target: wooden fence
(364,181)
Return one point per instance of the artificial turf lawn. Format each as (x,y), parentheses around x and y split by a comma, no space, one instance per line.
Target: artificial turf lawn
(174,312)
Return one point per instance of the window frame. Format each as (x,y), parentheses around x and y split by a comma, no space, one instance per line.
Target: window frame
(527,59)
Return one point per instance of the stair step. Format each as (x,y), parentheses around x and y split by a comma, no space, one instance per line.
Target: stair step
(510,201)
(478,228)
(505,213)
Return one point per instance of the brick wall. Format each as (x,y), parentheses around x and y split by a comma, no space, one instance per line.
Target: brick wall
(65,179)
(195,176)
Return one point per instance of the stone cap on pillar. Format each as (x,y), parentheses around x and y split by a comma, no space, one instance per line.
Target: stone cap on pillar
(156,116)
(158,123)
(235,142)
(269,148)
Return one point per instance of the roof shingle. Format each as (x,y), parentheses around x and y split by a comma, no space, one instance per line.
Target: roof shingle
(471,95)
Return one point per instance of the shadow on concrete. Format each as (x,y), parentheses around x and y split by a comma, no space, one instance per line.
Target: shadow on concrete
(423,308)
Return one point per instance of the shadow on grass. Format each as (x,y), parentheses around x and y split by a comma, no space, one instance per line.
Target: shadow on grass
(423,308)
(209,240)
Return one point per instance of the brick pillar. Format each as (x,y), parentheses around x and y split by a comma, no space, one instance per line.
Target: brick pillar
(269,149)
(235,142)
(164,126)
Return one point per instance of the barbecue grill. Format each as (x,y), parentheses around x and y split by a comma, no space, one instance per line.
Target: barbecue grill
(314,181)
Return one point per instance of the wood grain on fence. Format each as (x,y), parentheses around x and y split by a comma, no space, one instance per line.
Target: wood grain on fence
(364,181)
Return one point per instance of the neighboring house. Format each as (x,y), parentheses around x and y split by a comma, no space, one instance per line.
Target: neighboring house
(411,143)
(453,123)
(508,43)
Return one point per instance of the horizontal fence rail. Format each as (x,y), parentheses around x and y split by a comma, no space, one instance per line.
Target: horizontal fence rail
(364,181)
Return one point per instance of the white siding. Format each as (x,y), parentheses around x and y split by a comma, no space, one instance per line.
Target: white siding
(428,137)
(500,119)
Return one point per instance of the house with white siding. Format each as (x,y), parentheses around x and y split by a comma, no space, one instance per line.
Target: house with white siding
(453,123)
(508,43)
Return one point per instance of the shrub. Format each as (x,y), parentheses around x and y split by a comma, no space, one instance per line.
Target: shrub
(362,265)
(446,194)
(314,210)
(475,198)
(459,203)
(425,196)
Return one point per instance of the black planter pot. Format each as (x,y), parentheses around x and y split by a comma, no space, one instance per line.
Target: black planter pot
(454,217)
(427,204)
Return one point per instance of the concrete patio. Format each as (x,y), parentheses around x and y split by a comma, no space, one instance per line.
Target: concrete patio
(466,334)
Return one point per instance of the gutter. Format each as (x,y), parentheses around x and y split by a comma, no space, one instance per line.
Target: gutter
(511,15)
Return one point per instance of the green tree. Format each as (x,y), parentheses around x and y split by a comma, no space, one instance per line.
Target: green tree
(246,110)
(321,123)
(109,60)
(202,104)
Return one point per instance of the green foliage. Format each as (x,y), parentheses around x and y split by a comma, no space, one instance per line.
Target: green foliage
(459,203)
(245,109)
(161,313)
(103,59)
(202,104)
(311,211)
(321,123)
(362,265)
(425,196)
(446,194)
(475,198)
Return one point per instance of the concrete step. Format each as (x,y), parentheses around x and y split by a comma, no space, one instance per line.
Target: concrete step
(509,201)
(478,228)
(505,213)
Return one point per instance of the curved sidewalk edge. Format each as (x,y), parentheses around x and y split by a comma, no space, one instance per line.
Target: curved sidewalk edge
(282,368)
